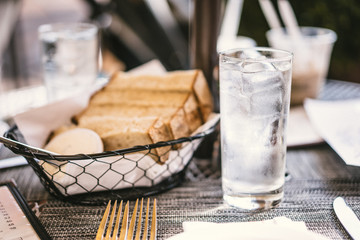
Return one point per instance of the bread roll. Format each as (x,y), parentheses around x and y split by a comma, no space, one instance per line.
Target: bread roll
(75,141)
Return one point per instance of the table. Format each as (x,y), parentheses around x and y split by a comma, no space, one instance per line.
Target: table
(316,175)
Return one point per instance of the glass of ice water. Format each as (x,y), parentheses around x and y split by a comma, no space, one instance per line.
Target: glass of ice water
(69,58)
(254,105)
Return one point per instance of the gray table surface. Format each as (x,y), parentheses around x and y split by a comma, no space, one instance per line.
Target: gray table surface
(316,176)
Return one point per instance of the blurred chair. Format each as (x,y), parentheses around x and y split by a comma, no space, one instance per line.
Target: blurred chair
(9,14)
(137,31)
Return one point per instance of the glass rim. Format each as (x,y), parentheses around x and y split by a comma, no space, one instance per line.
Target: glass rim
(287,55)
(327,34)
(60,26)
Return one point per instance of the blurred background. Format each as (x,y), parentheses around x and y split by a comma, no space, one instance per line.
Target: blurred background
(337,15)
(136,31)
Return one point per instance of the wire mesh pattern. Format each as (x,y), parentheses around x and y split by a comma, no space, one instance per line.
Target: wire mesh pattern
(126,174)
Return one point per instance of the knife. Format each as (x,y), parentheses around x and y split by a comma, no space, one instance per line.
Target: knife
(347,218)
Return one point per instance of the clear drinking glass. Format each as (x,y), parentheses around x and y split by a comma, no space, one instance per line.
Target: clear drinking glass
(254,105)
(69,57)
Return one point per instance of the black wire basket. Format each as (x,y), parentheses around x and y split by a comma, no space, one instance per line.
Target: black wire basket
(122,174)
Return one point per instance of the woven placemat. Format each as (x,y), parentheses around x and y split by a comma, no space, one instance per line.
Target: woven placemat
(305,200)
(339,90)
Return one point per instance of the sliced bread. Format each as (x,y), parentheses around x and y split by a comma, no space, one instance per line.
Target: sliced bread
(151,99)
(122,132)
(173,117)
(176,81)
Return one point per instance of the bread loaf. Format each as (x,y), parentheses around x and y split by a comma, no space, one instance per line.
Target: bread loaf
(176,81)
(173,117)
(151,99)
(136,110)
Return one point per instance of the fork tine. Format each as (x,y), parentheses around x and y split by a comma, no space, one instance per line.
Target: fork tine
(124,223)
(132,221)
(138,230)
(146,220)
(101,230)
(117,222)
(153,222)
(127,229)
(110,223)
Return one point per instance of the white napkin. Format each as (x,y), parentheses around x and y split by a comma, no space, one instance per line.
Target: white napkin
(37,123)
(337,122)
(277,228)
(300,132)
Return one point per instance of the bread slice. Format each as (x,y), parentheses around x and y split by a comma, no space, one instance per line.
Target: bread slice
(173,117)
(176,81)
(151,99)
(122,132)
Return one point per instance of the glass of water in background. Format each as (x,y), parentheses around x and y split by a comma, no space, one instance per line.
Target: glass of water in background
(69,58)
(254,105)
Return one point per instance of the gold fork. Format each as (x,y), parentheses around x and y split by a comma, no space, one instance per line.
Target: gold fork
(127,231)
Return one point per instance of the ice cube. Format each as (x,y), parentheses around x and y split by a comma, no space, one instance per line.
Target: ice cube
(256,67)
(267,102)
(260,76)
(231,98)
(274,130)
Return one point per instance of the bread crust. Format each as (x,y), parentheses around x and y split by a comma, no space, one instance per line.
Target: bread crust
(125,132)
(173,117)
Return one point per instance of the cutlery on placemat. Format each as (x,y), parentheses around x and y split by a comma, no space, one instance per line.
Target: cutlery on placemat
(126,229)
(347,217)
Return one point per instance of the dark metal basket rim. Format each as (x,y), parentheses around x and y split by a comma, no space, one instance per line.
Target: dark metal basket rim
(11,141)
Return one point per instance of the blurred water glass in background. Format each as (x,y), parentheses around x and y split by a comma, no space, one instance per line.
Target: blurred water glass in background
(3,125)
(2,100)
(312,54)
(69,58)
